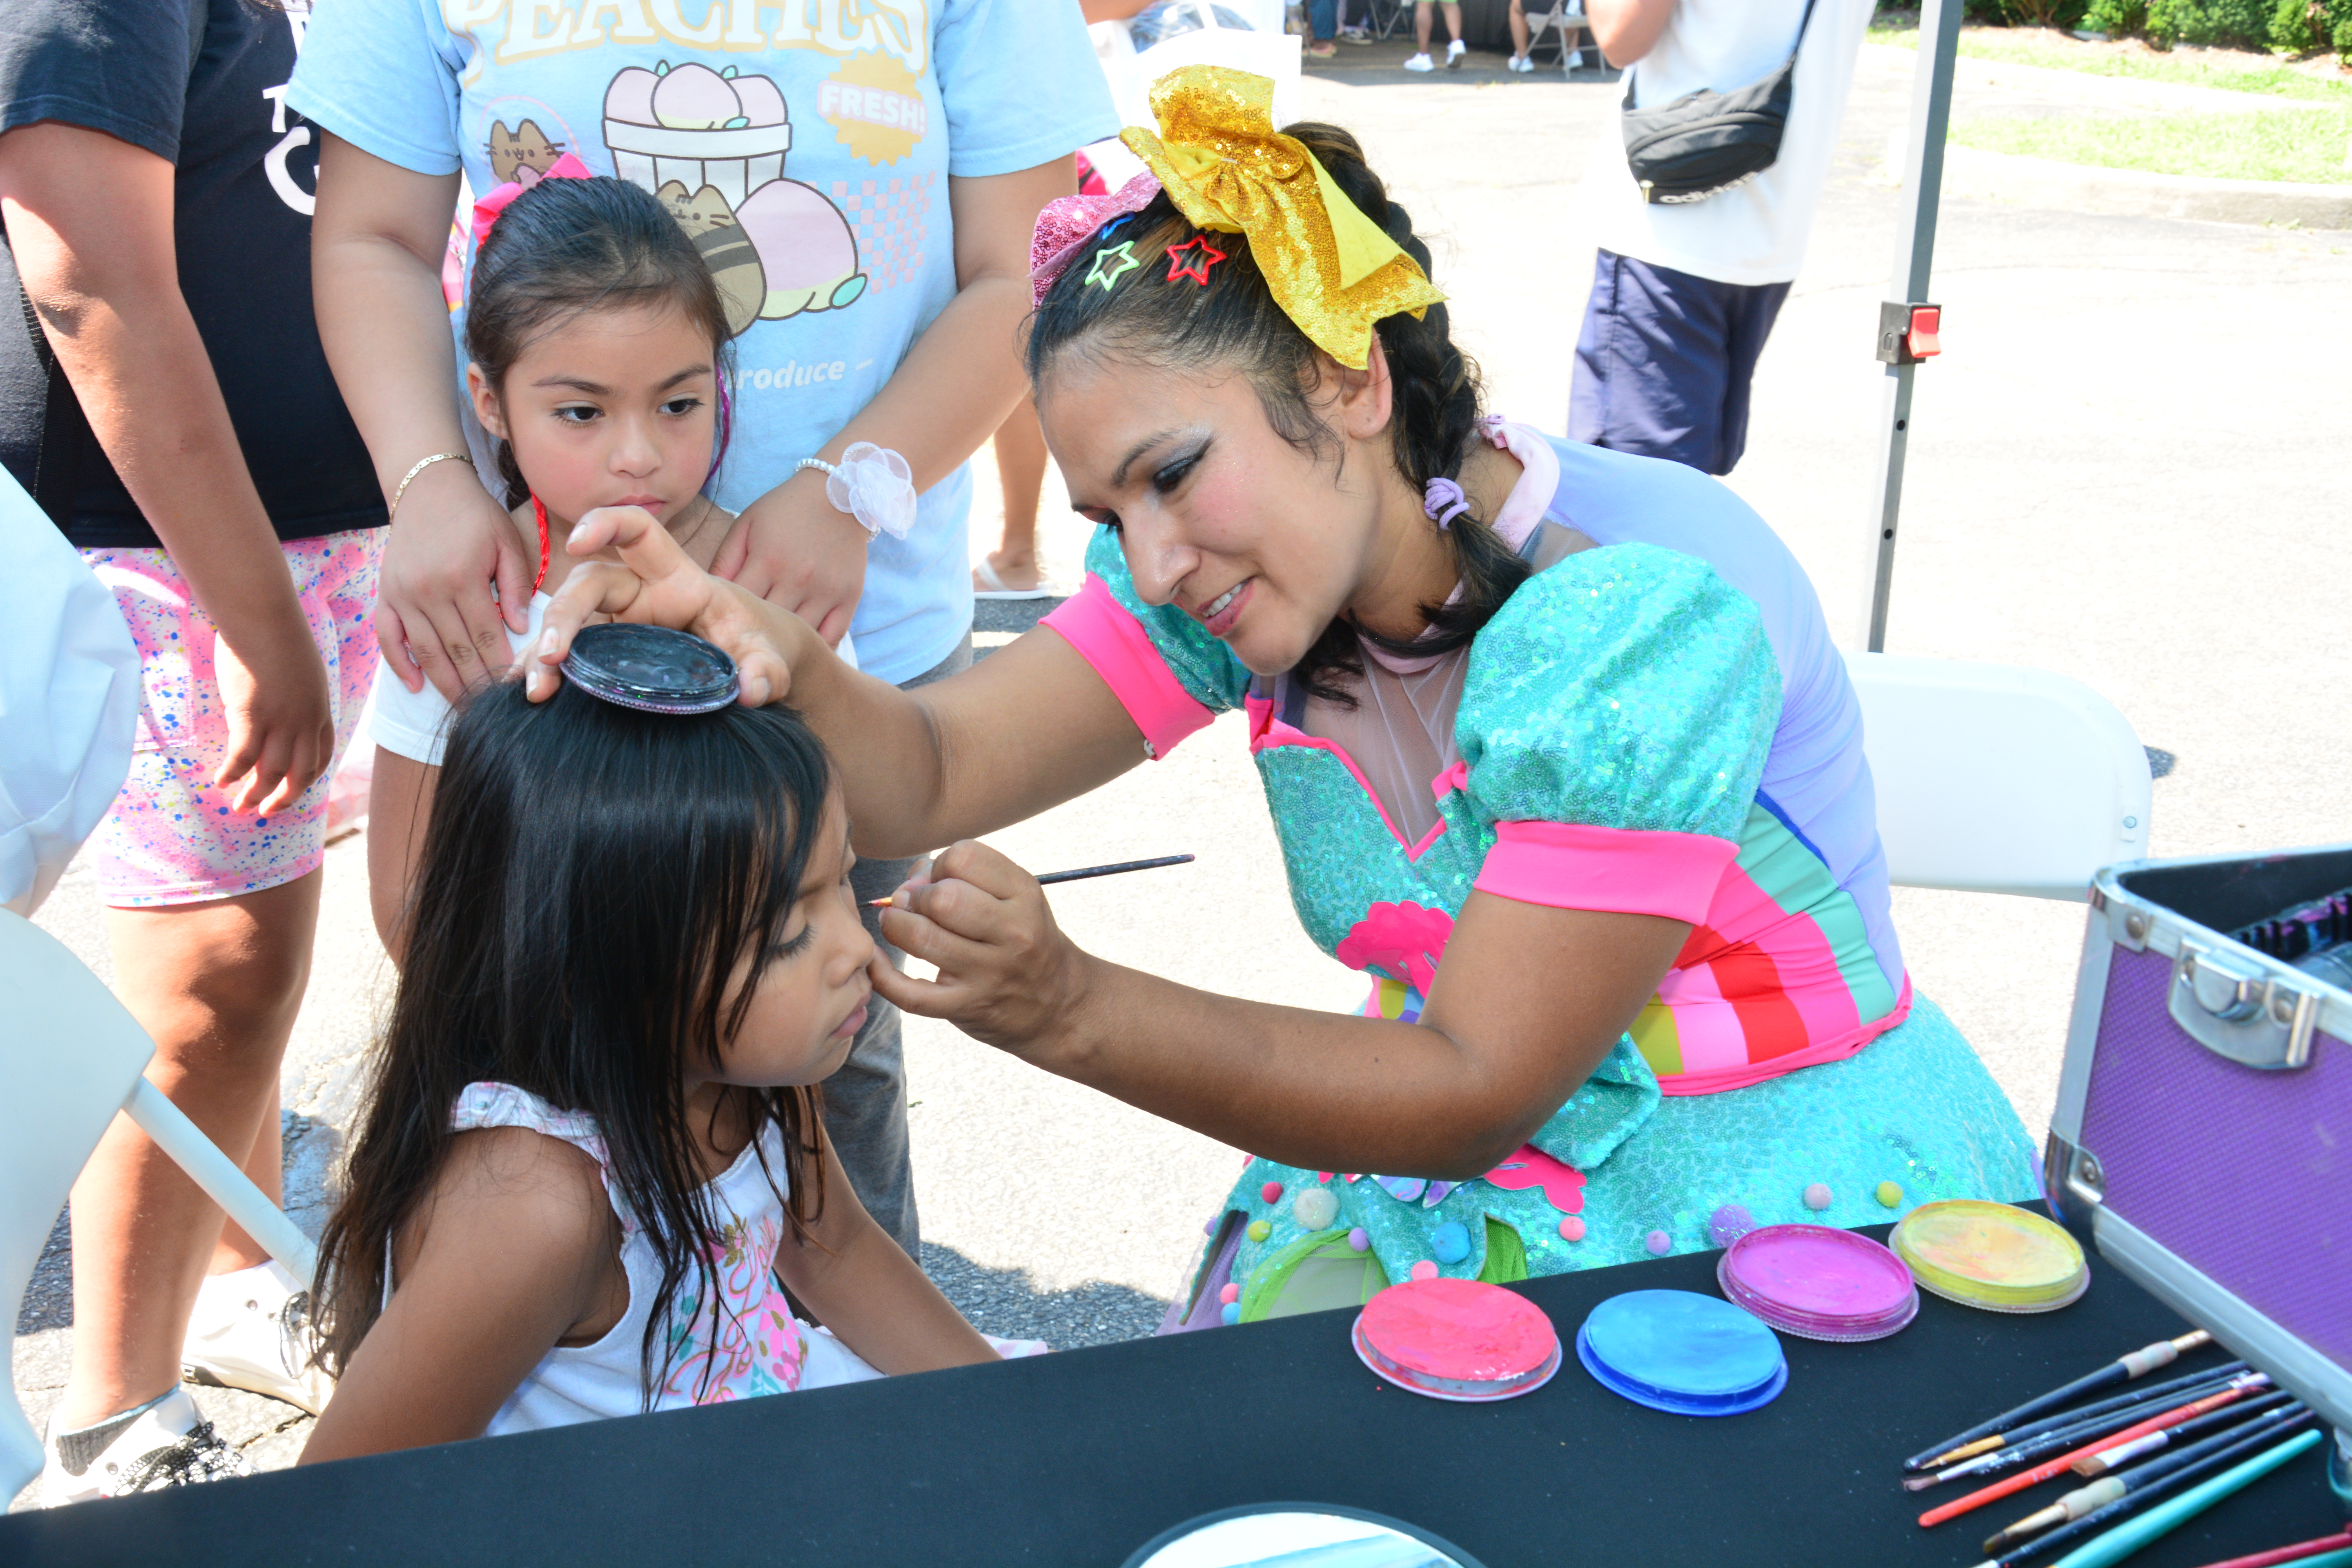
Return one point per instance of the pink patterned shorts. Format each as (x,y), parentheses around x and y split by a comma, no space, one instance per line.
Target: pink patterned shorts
(171,837)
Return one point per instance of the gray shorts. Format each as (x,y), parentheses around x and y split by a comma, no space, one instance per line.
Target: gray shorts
(865,1099)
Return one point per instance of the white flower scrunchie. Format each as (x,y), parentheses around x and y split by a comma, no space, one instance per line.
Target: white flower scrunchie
(872,484)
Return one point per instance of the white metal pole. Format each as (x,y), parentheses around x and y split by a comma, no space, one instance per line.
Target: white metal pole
(1914,254)
(223,1182)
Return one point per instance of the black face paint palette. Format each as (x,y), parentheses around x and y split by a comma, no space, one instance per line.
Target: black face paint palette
(651,668)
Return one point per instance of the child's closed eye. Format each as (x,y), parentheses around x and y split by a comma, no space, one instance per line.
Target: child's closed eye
(794,946)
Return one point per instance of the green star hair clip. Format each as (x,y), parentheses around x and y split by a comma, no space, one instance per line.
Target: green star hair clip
(1122,260)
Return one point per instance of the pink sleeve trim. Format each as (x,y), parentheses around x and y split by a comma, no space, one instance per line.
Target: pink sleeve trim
(1110,638)
(1619,870)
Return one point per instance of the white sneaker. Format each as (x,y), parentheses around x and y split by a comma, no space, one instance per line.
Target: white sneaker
(1522,64)
(166,1443)
(1575,61)
(1454,53)
(251,1330)
(1420,62)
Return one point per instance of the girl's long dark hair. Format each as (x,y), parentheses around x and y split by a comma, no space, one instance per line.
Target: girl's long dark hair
(1232,322)
(567,245)
(592,876)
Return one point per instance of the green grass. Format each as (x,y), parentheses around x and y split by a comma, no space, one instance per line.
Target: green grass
(2302,145)
(2038,46)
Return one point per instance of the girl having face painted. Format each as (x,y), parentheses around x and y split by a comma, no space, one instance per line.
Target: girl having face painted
(593,1158)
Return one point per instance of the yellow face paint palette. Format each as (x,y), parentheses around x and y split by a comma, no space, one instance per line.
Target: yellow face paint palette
(1991,1256)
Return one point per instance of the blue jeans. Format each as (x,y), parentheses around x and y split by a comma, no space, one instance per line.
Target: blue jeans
(1323,19)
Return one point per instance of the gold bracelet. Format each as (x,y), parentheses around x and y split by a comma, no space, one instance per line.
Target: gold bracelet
(422,464)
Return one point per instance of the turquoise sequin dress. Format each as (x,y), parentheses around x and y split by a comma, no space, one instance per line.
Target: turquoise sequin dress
(1658,724)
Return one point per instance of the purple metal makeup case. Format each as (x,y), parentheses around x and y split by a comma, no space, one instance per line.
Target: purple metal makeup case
(2204,1120)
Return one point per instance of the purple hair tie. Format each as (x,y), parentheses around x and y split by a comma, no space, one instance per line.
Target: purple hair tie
(1442,500)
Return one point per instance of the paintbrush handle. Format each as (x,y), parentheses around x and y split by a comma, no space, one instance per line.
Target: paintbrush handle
(2162,1519)
(1083,872)
(2097,1422)
(2110,1460)
(2190,1456)
(2075,1505)
(2043,1472)
(1079,875)
(2146,1359)
(2193,1456)
(2202,1382)
(2301,1551)
(2112,1373)
(2147,1495)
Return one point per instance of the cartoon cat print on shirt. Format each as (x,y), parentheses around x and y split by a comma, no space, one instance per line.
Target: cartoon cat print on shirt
(711,144)
(521,155)
(733,259)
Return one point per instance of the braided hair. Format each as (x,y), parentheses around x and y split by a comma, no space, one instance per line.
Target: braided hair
(1233,321)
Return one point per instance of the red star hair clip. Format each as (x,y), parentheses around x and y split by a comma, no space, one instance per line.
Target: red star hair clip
(1192,259)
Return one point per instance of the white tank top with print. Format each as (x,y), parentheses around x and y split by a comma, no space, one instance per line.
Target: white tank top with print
(754,1346)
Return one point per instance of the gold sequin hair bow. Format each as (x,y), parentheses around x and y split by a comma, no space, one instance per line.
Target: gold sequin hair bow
(1224,166)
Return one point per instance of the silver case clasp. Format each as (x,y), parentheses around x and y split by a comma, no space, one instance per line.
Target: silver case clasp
(2255,1021)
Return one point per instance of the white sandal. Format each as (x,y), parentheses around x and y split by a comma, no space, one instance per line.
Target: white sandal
(992,586)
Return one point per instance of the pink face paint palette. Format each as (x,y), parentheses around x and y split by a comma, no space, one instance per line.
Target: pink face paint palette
(1457,1339)
(1818,1283)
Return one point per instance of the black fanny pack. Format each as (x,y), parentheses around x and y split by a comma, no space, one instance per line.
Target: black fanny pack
(1705,142)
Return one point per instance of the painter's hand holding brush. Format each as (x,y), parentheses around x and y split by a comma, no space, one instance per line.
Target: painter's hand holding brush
(1008,976)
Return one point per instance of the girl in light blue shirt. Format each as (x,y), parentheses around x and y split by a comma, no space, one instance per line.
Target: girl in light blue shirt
(862,181)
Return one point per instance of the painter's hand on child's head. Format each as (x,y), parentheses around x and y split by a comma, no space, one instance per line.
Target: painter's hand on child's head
(1007,974)
(653,582)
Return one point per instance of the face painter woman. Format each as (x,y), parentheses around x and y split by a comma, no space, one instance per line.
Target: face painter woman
(1557,748)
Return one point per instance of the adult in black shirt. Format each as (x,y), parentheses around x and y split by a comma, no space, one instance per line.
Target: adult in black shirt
(165,396)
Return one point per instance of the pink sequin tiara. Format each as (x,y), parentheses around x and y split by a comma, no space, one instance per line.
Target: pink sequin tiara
(1068,222)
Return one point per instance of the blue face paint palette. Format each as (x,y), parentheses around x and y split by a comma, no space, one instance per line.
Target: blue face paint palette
(1682,1353)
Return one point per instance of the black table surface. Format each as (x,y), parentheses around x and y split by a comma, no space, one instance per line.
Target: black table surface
(1081,1457)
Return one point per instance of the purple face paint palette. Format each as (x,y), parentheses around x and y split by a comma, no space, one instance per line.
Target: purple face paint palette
(1457,1339)
(1682,1353)
(1818,1283)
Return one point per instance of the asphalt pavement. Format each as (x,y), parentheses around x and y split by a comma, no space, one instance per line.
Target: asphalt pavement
(2130,464)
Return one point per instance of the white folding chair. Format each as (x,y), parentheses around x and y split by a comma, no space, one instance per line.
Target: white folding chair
(1132,73)
(70,1057)
(1386,16)
(1565,20)
(1265,16)
(1999,779)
